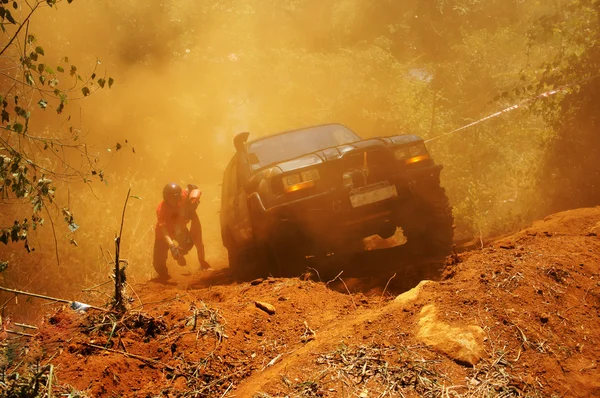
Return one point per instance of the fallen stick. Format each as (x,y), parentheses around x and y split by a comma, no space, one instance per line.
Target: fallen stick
(25,326)
(138,357)
(20,333)
(46,297)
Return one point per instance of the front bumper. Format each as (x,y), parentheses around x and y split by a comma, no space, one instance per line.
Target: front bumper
(329,218)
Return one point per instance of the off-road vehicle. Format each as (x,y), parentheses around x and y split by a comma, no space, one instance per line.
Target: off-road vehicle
(319,190)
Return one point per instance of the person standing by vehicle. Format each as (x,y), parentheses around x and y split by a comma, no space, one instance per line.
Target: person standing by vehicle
(177,209)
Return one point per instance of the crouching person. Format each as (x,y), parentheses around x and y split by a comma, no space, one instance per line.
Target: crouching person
(174,213)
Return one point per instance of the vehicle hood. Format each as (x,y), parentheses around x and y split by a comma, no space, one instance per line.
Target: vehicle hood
(334,153)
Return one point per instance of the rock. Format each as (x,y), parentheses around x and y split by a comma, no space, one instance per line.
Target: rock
(411,295)
(257,281)
(266,307)
(595,230)
(462,343)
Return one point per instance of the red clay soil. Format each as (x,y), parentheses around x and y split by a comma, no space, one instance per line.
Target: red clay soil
(535,295)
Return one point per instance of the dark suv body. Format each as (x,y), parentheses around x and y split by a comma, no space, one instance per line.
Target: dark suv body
(319,190)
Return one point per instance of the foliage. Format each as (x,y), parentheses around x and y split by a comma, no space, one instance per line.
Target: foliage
(32,157)
(572,160)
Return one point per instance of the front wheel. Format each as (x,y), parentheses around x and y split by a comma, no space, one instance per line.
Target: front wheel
(430,231)
(284,254)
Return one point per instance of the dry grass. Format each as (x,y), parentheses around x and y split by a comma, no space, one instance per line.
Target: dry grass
(385,371)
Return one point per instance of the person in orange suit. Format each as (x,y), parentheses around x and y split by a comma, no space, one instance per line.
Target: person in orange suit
(174,213)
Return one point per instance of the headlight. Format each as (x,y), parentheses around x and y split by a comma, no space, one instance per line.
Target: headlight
(401,154)
(412,153)
(297,182)
(417,150)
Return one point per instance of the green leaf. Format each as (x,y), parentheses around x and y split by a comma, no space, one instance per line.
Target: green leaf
(110,82)
(41,68)
(73,70)
(60,69)
(3,266)
(101,82)
(73,226)
(15,6)
(8,16)
(39,50)
(21,112)
(49,70)
(18,128)
(85,91)
(30,39)
(135,197)
(43,103)
(42,79)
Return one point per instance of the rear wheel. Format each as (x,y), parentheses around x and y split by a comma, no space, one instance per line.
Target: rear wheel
(242,260)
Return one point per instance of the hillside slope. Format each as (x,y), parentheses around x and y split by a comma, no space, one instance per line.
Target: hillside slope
(517,318)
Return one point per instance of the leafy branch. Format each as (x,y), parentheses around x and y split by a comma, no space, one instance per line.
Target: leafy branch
(33,164)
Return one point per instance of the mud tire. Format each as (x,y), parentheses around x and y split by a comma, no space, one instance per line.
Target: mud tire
(433,232)
(285,254)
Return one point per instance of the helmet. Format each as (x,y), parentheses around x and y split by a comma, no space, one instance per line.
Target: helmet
(171,190)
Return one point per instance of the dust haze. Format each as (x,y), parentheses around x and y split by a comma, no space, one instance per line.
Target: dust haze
(189,75)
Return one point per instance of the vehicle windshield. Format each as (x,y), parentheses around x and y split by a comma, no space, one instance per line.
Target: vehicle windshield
(292,144)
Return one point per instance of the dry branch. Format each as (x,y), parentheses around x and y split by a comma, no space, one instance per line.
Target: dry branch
(17,292)
(138,357)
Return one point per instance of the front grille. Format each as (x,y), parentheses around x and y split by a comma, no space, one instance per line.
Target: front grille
(379,164)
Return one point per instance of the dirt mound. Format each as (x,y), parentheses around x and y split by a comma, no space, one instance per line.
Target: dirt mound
(517,318)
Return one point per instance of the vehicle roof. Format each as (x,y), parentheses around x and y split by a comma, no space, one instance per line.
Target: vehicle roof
(302,128)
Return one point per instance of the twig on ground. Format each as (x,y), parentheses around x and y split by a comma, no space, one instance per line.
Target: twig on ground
(25,326)
(349,294)
(334,279)
(17,292)
(50,376)
(319,275)
(19,333)
(98,285)
(138,357)
(134,292)
(385,288)
(309,334)
(227,390)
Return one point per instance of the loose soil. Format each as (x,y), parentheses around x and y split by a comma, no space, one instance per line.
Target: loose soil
(533,296)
